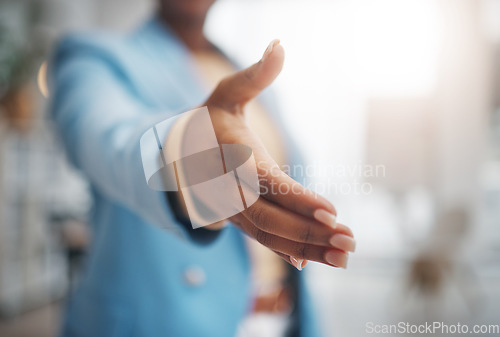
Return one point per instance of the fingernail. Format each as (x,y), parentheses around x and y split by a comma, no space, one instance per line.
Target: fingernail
(343,242)
(270,48)
(298,263)
(325,217)
(304,263)
(337,258)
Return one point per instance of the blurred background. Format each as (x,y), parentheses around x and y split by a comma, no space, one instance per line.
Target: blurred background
(396,105)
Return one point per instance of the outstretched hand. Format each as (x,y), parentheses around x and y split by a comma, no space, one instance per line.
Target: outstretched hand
(296,223)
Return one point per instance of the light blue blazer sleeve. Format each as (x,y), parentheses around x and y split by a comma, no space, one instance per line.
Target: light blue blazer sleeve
(101,123)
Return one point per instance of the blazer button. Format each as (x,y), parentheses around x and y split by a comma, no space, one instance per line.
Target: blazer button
(194,276)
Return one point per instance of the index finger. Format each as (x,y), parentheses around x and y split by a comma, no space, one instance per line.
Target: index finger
(278,187)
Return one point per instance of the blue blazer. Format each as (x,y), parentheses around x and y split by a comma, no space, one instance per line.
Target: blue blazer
(146,275)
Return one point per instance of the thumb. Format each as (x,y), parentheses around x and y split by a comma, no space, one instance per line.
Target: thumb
(246,84)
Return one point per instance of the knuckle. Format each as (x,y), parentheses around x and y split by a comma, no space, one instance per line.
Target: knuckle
(306,234)
(250,73)
(258,216)
(263,238)
(300,251)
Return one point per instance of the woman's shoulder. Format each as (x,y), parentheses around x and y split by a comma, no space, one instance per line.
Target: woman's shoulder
(90,44)
(111,50)
(117,48)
